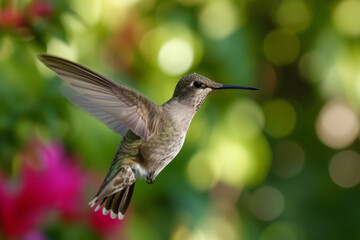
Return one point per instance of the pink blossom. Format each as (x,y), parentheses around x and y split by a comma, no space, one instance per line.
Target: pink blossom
(49,180)
(59,176)
(40,8)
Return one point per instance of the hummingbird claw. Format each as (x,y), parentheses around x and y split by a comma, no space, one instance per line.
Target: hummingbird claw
(150,178)
(150,181)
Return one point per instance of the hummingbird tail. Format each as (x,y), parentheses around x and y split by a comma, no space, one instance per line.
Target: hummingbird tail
(115,193)
(116,204)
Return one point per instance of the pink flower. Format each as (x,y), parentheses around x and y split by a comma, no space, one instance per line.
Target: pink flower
(16,217)
(59,176)
(49,181)
(40,8)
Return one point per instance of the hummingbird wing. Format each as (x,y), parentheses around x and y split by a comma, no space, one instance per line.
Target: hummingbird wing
(83,103)
(108,100)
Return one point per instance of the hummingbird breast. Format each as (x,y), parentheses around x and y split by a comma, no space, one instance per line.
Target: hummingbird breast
(163,147)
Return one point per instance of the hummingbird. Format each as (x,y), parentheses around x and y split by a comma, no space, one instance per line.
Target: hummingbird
(152,134)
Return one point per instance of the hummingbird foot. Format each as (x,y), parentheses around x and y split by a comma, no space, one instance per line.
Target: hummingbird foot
(150,178)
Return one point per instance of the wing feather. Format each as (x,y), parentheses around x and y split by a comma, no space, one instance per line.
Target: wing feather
(118,106)
(83,103)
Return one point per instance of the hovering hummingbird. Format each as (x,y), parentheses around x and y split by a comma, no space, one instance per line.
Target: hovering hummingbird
(152,134)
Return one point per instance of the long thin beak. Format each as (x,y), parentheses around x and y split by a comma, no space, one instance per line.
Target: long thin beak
(224,86)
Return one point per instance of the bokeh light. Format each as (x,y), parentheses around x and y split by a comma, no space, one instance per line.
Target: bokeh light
(283,231)
(191,2)
(216,224)
(312,67)
(202,171)
(289,158)
(344,169)
(243,161)
(219,19)
(294,15)
(175,56)
(245,112)
(230,157)
(151,42)
(218,227)
(331,86)
(346,17)
(267,203)
(184,233)
(60,48)
(88,10)
(229,162)
(280,118)
(154,39)
(6,48)
(236,163)
(337,124)
(281,47)
(115,13)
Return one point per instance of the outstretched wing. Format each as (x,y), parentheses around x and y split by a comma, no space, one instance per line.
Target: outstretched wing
(109,101)
(83,103)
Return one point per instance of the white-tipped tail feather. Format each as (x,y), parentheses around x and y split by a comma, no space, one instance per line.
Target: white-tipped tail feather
(115,195)
(93,202)
(113,215)
(97,207)
(116,204)
(121,216)
(105,211)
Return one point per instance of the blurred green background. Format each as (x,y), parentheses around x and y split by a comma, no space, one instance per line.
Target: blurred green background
(279,163)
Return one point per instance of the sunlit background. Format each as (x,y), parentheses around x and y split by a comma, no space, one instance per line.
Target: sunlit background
(282,163)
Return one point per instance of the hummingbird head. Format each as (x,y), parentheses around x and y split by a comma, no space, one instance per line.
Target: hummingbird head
(193,89)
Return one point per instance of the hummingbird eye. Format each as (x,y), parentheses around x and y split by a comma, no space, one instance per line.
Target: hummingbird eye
(197,84)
